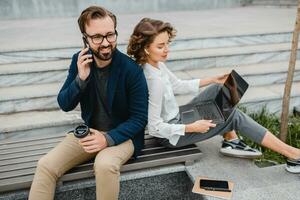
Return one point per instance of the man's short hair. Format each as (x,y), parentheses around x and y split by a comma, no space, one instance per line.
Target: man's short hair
(94,12)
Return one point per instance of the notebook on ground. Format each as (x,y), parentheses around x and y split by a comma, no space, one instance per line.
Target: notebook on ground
(219,194)
(218,108)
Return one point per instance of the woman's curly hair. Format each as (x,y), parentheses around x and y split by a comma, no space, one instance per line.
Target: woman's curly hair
(144,34)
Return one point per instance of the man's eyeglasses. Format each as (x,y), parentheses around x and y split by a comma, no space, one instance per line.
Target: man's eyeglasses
(98,38)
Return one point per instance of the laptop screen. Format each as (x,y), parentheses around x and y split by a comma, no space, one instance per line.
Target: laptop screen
(231,93)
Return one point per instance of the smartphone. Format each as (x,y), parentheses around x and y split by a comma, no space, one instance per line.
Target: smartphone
(85,43)
(214,185)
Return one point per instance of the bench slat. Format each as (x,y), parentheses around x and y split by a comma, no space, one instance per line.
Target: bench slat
(27,142)
(25,154)
(9,168)
(18,183)
(32,163)
(28,149)
(34,143)
(17,173)
(30,140)
(29,158)
(18,160)
(151,153)
(158,160)
(45,149)
(23,147)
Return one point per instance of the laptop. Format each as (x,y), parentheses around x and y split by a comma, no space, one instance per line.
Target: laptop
(219,107)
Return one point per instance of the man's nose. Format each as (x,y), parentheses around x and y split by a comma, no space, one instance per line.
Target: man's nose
(105,42)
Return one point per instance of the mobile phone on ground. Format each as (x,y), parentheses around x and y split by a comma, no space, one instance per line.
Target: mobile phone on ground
(214,185)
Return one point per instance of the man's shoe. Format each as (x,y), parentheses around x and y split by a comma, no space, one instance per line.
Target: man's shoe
(237,148)
(293,166)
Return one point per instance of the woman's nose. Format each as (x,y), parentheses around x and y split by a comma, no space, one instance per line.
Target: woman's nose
(166,49)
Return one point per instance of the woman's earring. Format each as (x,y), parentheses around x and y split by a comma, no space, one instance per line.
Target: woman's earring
(147,52)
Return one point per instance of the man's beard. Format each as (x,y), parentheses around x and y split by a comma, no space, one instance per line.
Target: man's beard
(104,56)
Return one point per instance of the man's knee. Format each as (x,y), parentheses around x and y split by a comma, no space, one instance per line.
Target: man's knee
(106,166)
(47,168)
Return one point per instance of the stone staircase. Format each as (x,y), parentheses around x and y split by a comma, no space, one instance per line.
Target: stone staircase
(280,3)
(30,80)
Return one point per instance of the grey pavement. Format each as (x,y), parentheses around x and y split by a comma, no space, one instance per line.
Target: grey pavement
(250,181)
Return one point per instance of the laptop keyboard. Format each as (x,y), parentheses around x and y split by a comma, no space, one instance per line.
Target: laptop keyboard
(209,111)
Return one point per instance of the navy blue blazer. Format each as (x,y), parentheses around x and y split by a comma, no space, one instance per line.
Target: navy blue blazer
(127,96)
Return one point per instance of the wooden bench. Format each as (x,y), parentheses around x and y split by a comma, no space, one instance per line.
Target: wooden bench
(18,160)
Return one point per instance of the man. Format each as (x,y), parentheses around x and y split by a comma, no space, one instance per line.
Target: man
(112,92)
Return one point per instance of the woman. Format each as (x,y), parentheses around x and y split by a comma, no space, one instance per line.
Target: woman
(149,46)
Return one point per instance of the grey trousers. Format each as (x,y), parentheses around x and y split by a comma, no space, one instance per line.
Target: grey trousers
(237,121)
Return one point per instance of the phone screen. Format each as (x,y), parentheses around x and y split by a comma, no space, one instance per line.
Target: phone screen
(206,183)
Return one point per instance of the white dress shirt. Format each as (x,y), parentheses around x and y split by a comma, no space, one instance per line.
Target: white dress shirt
(162,85)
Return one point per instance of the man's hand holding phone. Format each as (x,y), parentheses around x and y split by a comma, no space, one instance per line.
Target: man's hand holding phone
(83,63)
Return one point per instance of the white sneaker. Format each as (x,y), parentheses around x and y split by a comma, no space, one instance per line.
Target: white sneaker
(237,148)
(293,166)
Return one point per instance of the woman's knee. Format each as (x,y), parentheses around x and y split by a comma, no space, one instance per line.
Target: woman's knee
(235,118)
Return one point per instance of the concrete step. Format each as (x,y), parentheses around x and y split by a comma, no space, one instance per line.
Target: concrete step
(231,56)
(280,3)
(20,9)
(182,43)
(64,32)
(53,71)
(33,73)
(43,96)
(38,122)
(255,74)
(228,56)
(31,124)
(29,97)
(257,183)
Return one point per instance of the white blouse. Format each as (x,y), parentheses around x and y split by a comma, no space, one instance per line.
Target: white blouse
(162,106)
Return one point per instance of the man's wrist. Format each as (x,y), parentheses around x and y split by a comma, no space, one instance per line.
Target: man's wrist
(81,83)
(109,140)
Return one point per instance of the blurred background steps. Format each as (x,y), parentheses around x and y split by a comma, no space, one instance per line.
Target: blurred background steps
(34,122)
(278,3)
(13,9)
(37,123)
(34,67)
(42,96)
(22,9)
(8,56)
(46,70)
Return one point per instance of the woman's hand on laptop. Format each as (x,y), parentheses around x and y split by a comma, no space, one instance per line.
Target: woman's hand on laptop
(220,79)
(199,126)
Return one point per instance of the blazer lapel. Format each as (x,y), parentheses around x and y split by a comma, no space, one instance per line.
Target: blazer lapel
(113,78)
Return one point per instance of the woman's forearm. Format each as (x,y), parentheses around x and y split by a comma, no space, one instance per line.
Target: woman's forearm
(206,81)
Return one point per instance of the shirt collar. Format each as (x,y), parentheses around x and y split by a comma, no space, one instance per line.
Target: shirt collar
(153,70)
